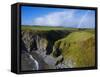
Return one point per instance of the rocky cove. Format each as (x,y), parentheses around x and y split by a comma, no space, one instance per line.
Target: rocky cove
(55,49)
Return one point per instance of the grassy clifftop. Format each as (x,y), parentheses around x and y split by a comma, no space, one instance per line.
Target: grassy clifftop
(46,28)
(77,49)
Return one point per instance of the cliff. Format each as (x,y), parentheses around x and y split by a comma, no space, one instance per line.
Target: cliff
(54,49)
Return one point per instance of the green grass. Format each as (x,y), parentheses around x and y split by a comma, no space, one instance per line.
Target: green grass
(78,47)
(46,28)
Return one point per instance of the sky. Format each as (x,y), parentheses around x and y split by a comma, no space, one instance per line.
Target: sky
(42,16)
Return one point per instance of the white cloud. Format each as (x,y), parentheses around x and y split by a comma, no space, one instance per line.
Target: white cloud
(54,19)
(65,18)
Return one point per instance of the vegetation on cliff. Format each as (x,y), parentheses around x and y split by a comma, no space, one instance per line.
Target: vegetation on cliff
(78,49)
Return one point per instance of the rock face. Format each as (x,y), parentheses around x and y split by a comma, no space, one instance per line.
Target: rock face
(33,42)
(39,45)
(56,49)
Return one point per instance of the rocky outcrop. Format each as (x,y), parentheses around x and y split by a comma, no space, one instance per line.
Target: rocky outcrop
(40,43)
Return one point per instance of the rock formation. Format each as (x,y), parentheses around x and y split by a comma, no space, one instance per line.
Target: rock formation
(56,49)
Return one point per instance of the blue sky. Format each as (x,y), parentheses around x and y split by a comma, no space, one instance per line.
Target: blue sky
(42,16)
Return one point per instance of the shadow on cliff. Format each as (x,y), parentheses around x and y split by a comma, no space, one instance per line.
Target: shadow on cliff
(53,36)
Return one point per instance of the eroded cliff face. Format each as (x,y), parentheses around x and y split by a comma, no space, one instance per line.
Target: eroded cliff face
(56,49)
(34,41)
(39,44)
